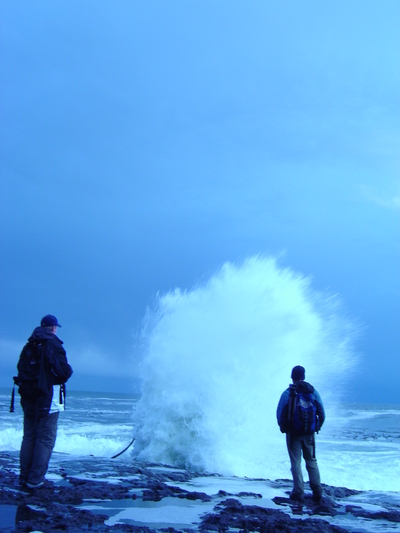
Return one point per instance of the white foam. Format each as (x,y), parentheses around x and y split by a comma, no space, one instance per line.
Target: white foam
(10,439)
(368,414)
(88,444)
(217,359)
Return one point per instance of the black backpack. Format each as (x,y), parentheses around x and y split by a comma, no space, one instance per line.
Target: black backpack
(302,412)
(32,379)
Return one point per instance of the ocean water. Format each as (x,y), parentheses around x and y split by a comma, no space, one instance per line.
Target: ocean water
(213,362)
(93,424)
(359,449)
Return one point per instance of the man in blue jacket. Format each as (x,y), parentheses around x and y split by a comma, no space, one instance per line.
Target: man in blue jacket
(301,441)
(43,370)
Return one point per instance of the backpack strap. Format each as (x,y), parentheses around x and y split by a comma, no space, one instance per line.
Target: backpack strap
(63,393)
(12,398)
(292,402)
(43,384)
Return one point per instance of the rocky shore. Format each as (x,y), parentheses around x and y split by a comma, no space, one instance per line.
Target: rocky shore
(112,496)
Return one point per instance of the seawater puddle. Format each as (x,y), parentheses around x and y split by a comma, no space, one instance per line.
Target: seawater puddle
(113,480)
(151,514)
(8,514)
(231,485)
(13,515)
(362,525)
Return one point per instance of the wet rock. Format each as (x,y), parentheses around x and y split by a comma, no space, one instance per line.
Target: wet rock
(57,506)
(202,496)
(158,491)
(339,492)
(233,514)
(389,516)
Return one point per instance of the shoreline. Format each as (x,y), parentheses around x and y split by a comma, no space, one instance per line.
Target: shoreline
(123,495)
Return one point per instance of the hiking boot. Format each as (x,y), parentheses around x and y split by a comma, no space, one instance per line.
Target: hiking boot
(317,497)
(296,496)
(34,485)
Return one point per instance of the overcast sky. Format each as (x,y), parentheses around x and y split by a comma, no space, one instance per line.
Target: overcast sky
(145,143)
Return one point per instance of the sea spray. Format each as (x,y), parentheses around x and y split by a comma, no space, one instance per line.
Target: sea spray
(216,359)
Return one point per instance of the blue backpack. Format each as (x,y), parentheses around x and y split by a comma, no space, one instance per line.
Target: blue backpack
(302,412)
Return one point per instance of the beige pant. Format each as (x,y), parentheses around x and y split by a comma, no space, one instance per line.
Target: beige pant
(296,445)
